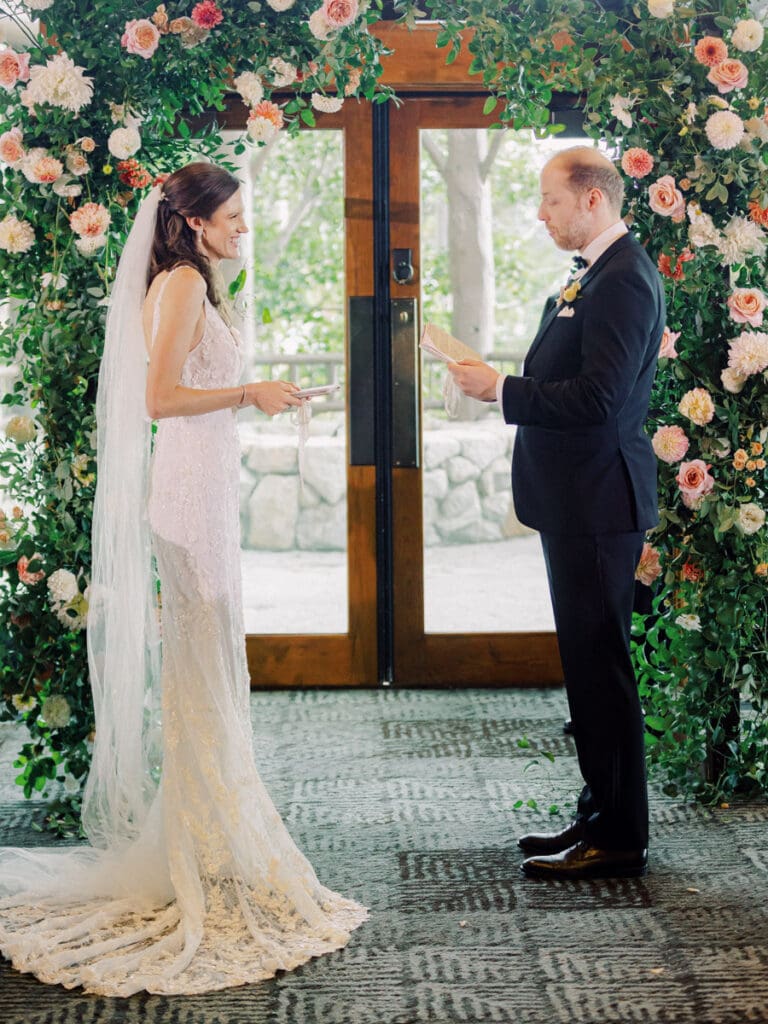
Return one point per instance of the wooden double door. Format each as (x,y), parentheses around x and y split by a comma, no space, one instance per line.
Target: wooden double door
(392,474)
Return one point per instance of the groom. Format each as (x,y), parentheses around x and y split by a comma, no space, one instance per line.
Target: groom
(584,476)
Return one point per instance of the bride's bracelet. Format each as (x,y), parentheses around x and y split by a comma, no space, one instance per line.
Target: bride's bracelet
(242,399)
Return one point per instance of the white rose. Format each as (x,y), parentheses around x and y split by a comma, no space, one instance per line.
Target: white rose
(661,8)
(124,142)
(748,35)
(77,163)
(751,518)
(62,586)
(248,84)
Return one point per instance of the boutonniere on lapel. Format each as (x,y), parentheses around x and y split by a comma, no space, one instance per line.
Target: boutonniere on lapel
(569,293)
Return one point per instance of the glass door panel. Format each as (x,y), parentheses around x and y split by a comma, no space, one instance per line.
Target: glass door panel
(486,263)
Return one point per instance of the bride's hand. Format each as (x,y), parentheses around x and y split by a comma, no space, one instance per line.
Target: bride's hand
(272,396)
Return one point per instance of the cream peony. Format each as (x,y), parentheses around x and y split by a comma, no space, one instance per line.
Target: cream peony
(319,25)
(11,148)
(90,244)
(60,83)
(283,73)
(326,104)
(751,518)
(91,219)
(670,444)
(20,429)
(740,239)
(40,168)
(124,142)
(732,382)
(724,129)
(698,406)
(748,35)
(16,235)
(248,84)
(748,353)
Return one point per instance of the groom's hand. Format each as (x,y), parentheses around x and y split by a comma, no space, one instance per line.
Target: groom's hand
(476,379)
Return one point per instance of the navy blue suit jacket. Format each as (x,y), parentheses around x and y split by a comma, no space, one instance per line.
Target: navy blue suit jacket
(582,462)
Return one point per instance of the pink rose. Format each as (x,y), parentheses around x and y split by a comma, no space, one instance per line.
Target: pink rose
(140,37)
(670,444)
(728,75)
(694,481)
(667,348)
(25,576)
(667,200)
(14,67)
(11,149)
(649,567)
(637,162)
(746,304)
(340,13)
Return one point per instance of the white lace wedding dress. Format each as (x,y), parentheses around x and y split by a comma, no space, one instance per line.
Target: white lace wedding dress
(213,892)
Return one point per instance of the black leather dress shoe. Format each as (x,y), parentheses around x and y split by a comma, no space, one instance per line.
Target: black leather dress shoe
(568,727)
(584,861)
(552,843)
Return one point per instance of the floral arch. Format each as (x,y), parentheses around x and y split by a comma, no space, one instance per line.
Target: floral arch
(97,108)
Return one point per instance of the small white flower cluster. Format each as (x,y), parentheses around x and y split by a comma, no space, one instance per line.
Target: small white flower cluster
(69,605)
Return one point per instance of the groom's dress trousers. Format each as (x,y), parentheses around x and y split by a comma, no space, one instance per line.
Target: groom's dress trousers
(584,476)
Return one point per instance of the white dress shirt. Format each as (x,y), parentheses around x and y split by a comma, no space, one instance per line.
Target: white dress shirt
(591,252)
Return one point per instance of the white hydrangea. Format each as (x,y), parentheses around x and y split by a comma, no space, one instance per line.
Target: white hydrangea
(124,142)
(326,104)
(62,586)
(248,84)
(56,711)
(60,83)
(741,238)
(751,518)
(16,235)
(748,35)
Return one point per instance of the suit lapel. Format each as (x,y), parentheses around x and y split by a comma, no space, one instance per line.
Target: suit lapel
(591,273)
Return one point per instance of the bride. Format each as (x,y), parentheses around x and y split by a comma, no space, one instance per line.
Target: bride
(191,881)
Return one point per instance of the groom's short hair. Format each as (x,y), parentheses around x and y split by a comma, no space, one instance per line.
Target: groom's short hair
(587,168)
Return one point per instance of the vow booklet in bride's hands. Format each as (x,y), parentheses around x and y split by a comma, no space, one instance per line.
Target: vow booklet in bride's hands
(440,343)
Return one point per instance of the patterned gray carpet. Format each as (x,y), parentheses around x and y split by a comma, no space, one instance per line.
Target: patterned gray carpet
(405,800)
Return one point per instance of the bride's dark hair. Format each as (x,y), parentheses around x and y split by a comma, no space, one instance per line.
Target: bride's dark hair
(195,190)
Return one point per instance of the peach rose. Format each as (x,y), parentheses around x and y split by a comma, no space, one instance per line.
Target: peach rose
(667,348)
(665,199)
(747,305)
(637,162)
(698,406)
(740,459)
(649,567)
(27,577)
(694,480)
(14,67)
(140,37)
(87,144)
(340,13)
(90,221)
(11,149)
(710,51)
(728,75)
(670,444)
(761,569)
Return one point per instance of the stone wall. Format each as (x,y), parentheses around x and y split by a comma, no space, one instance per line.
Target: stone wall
(467,496)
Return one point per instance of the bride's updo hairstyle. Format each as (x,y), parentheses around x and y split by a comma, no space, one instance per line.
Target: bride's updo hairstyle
(195,190)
